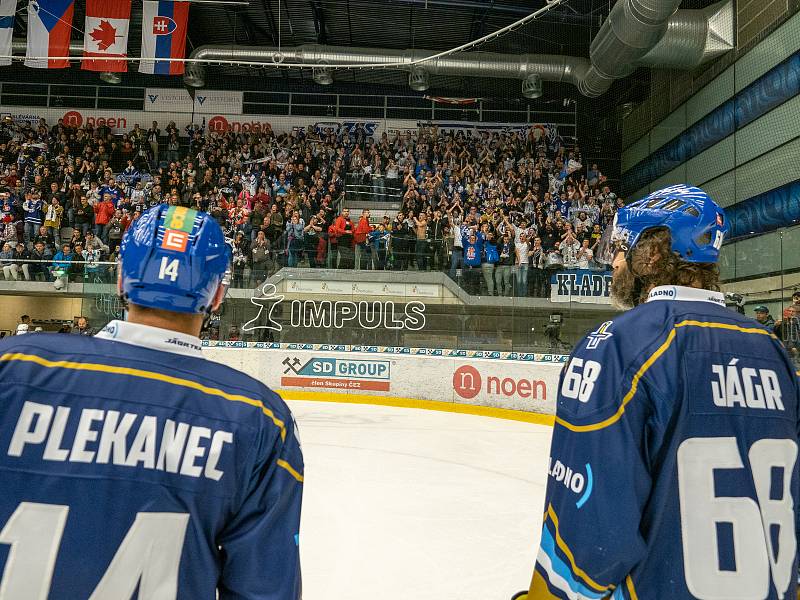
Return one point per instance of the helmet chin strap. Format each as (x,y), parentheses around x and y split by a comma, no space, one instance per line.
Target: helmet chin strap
(637,291)
(637,281)
(206,320)
(208,313)
(123,300)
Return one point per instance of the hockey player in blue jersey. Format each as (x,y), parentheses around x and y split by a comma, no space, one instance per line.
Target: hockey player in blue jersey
(130,466)
(673,470)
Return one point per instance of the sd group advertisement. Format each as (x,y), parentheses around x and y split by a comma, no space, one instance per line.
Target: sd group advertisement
(515,385)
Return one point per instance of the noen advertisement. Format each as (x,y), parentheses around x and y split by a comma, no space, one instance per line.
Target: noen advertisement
(517,385)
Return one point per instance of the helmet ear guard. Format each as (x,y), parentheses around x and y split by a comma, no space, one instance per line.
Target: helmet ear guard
(227,276)
(614,240)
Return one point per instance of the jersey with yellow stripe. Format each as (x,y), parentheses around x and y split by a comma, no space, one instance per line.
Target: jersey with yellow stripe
(128,461)
(673,469)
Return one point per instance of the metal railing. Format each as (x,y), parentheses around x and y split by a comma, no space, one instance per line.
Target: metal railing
(399,255)
(300,104)
(361,187)
(67,269)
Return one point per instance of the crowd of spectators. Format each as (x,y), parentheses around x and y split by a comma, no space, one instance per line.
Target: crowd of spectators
(787,328)
(496,211)
(79,326)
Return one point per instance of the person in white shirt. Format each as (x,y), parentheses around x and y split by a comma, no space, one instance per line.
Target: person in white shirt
(522,247)
(585,255)
(24,325)
(569,250)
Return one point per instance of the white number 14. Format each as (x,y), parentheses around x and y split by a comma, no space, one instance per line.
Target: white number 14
(149,555)
(168,268)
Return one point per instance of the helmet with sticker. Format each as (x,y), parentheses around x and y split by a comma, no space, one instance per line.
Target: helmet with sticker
(174,258)
(697,224)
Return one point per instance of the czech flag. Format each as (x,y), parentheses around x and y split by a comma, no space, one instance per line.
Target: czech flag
(106,35)
(49,30)
(163,36)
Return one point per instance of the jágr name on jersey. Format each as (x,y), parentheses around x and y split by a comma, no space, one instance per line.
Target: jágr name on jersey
(733,385)
(118,438)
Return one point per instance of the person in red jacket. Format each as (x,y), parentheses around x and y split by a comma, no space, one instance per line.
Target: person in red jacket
(363,229)
(128,218)
(344,230)
(103,213)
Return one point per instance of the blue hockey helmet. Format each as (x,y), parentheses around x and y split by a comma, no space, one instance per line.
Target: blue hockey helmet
(174,258)
(696,223)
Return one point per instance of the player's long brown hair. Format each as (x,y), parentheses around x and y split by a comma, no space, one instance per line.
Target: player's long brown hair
(631,286)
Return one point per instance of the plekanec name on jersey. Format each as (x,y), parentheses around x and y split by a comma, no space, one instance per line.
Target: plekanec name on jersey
(101,437)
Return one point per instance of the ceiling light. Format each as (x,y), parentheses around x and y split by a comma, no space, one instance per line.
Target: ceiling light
(322,75)
(418,79)
(194,75)
(532,86)
(110,77)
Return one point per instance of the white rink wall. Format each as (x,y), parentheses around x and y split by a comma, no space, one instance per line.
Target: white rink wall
(529,386)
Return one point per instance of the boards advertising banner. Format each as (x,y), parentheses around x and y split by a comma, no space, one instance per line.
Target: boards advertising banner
(515,385)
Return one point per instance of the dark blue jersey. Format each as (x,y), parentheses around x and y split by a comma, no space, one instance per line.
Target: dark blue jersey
(673,470)
(132,463)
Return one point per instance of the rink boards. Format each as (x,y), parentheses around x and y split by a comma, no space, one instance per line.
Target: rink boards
(512,389)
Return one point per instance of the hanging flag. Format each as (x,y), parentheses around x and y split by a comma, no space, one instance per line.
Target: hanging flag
(7,10)
(106,35)
(454,101)
(163,36)
(49,30)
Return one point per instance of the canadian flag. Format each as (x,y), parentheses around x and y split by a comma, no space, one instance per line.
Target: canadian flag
(106,35)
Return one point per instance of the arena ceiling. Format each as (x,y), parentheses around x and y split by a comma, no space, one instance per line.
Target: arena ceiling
(398,24)
(401,24)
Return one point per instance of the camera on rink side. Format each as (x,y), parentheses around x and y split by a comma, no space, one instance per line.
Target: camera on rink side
(553,329)
(735,301)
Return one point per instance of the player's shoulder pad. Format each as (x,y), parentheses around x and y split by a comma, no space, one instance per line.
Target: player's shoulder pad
(251,398)
(602,369)
(44,341)
(231,379)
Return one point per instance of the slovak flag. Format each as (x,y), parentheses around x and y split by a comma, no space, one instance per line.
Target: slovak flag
(49,30)
(8,9)
(106,35)
(163,36)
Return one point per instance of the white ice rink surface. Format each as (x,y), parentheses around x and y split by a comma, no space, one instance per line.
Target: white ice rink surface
(409,504)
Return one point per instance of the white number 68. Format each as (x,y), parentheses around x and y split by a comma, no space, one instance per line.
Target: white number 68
(580,378)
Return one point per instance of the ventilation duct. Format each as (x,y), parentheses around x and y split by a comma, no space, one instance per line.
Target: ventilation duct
(194,75)
(637,33)
(694,37)
(21,47)
(568,69)
(632,29)
(75,49)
